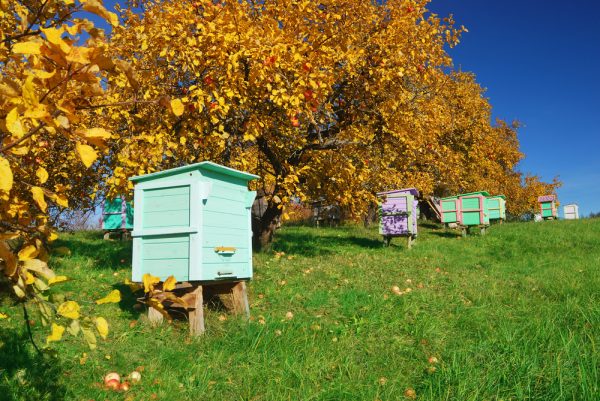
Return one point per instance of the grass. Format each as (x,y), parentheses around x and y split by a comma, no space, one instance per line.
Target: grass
(513,315)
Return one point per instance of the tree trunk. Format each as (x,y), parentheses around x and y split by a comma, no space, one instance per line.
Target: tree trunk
(370,216)
(263,227)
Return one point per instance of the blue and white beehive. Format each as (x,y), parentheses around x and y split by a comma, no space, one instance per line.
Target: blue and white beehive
(193,223)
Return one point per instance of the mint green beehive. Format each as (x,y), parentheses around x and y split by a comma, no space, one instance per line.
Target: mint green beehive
(193,223)
(473,209)
(450,209)
(497,207)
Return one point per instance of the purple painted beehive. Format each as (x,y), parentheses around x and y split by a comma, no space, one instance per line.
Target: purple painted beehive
(398,211)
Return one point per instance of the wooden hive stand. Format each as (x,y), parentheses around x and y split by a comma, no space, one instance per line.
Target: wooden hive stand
(194,293)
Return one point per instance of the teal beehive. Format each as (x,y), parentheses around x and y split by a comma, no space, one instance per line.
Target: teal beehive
(193,223)
(117,214)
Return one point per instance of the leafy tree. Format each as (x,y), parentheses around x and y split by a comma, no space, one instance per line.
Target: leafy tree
(338,98)
(52,63)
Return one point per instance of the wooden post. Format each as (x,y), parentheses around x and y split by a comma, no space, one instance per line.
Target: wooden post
(409,242)
(239,299)
(154,316)
(196,315)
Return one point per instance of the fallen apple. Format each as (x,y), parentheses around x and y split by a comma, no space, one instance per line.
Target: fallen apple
(135,376)
(112,376)
(113,384)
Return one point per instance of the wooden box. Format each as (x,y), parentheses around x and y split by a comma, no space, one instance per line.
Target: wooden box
(474,209)
(193,222)
(398,212)
(470,209)
(497,207)
(548,207)
(571,212)
(117,214)
(450,209)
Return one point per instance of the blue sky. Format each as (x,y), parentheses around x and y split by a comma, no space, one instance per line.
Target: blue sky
(540,63)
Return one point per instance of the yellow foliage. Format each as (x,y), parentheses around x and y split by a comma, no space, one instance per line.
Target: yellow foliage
(57,279)
(149,282)
(87,154)
(28,252)
(56,333)
(102,326)
(177,107)
(69,309)
(113,297)
(6,178)
(169,284)
(38,197)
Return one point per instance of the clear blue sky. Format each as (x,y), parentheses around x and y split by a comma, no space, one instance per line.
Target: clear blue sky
(540,63)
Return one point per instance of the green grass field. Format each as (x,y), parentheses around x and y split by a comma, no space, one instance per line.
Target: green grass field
(513,315)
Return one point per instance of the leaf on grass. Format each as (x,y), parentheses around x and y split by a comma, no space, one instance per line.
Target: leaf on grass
(56,333)
(90,337)
(74,328)
(3,315)
(62,250)
(57,279)
(69,309)
(86,153)
(112,298)
(169,284)
(102,327)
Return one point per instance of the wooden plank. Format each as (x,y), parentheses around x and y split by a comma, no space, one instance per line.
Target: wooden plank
(196,314)
(154,316)
(239,298)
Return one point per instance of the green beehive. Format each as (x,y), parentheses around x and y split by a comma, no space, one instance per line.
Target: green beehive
(474,209)
(117,214)
(548,208)
(497,207)
(450,209)
(193,223)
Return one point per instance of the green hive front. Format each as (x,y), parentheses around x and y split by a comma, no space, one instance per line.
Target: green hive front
(450,209)
(193,223)
(474,209)
(548,209)
(497,207)
(117,214)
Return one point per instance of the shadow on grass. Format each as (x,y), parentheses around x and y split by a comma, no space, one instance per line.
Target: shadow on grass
(26,375)
(446,234)
(106,254)
(129,300)
(324,243)
(429,224)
